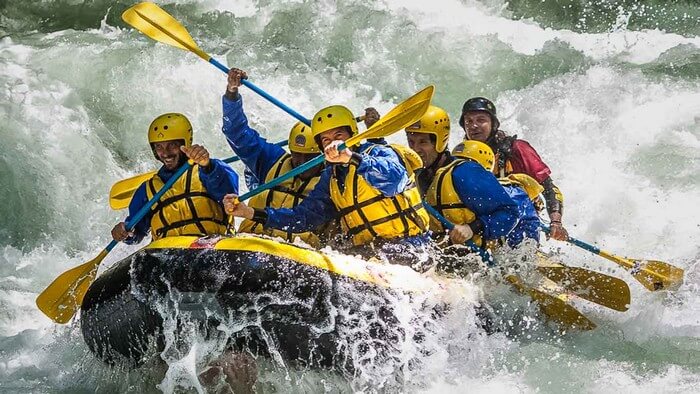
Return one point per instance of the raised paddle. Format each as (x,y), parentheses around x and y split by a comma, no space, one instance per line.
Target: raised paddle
(154,22)
(400,117)
(62,298)
(554,307)
(652,274)
(121,192)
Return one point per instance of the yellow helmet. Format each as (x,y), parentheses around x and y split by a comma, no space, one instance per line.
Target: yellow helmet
(332,117)
(169,127)
(435,121)
(476,150)
(300,139)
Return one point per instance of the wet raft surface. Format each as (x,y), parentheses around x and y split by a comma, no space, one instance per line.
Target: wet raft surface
(268,304)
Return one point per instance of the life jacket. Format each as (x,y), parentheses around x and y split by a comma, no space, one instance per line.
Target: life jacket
(526,182)
(502,145)
(287,194)
(443,196)
(408,157)
(367,214)
(185,209)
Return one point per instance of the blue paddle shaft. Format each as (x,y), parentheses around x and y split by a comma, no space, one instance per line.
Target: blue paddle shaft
(294,172)
(263,93)
(485,256)
(144,209)
(577,242)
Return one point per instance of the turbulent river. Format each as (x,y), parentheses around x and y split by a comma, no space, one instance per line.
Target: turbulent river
(607,91)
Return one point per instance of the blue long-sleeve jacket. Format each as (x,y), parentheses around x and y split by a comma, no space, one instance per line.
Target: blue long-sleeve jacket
(382,169)
(221,180)
(480,191)
(529,222)
(257,154)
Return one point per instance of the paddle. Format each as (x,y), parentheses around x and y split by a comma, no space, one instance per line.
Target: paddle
(604,290)
(554,307)
(154,22)
(121,192)
(400,117)
(652,274)
(62,298)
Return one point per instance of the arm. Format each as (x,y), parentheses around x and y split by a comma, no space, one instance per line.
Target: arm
(219,179)
(526,160)
(139,199)
(255,152)
(314,210)
(382,169)
(496,213)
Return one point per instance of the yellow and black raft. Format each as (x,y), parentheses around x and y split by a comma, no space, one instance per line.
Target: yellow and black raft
(268,296)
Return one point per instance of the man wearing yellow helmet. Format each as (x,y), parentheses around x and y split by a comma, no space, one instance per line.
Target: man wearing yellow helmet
(192,206)
(520,187)
(513,156)
(429,138)
(366,187)
(469,188)
(267,161)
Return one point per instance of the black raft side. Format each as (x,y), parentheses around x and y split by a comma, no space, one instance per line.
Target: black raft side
(292,302)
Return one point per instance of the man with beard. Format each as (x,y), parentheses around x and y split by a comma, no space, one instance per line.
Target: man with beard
(192,206)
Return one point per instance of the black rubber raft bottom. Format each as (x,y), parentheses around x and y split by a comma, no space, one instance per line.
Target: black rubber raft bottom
(281,305)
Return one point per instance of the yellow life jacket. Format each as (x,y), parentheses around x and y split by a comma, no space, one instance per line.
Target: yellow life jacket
(443,196)
(408,157)
(367,214)
(526,182)
(287,194)
(502,168)
(185,209)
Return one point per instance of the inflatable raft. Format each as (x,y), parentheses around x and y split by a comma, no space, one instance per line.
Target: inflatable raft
(270,297)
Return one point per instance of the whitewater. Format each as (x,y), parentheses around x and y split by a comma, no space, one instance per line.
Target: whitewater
(607,92)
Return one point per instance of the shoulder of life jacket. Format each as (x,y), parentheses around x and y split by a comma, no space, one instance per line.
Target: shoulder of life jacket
(526,182)
(287,194)
(366,214)
(443,196)
(409,158)
(185,209)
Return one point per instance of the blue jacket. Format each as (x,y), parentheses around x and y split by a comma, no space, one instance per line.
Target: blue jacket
(529,222)
(480,191)
(220,181)
(257,154)
(382,169)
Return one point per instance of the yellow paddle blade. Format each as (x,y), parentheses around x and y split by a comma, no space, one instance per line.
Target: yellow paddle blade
(555,307)
(63,297)
(154,22)
(652,274)
(601,289)
(655,275)
(400,117)
(121,192)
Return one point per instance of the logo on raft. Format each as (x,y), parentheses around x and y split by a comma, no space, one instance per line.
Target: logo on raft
(208,242)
